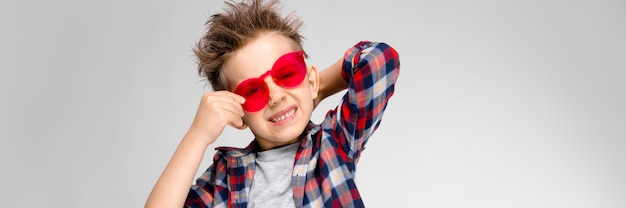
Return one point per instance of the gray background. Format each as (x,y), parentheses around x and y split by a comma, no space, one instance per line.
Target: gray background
(498,104)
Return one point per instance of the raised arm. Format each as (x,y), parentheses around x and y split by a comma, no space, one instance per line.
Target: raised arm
(173,186)
(371,69)
(216,111)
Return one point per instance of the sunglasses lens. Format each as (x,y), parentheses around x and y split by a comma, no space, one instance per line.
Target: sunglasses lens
(256,94)
(288,77)
(289,70)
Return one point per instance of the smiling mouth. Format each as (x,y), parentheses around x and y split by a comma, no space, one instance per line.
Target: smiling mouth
(284,116)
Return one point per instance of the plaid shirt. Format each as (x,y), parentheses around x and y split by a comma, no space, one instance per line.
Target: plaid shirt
(325,164)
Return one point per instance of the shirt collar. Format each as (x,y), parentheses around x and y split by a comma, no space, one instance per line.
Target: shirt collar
(311,129)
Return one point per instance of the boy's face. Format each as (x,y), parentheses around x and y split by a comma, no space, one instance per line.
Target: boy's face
(287,110)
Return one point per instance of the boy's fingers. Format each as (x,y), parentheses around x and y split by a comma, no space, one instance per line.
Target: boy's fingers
(227,97)
(237,122)
(242,126)
(226,100)
(231,96)
(234,108)
(231,106)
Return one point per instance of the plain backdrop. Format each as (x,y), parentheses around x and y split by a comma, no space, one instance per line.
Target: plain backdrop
(499,103)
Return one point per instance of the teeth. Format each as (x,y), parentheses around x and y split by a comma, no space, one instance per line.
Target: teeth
(284,116)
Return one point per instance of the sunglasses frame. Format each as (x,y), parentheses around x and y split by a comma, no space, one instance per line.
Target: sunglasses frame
(256,91)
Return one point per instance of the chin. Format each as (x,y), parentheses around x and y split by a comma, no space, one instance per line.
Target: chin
(285,133)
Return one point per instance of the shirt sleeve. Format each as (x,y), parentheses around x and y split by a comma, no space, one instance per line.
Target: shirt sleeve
(371,69)
(210,188)
(201,193)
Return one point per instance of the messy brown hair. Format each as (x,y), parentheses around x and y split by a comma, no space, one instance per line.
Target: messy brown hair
(239,24)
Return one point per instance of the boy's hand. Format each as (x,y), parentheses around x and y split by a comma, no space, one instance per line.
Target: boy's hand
(216,110)
(330,82)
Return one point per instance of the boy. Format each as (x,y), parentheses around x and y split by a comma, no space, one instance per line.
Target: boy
(254,61)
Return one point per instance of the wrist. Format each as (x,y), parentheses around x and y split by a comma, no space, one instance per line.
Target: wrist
(195,137)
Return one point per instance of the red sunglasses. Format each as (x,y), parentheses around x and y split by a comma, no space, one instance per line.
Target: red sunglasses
(288,71)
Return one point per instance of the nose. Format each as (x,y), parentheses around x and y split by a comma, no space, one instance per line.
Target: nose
(276,93)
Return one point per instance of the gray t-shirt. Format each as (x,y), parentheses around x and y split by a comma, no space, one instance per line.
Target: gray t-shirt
(271,185)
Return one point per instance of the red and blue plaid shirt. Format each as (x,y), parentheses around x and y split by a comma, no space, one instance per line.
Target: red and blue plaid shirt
(325,165)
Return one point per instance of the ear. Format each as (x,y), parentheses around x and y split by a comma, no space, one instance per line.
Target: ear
(313,77)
